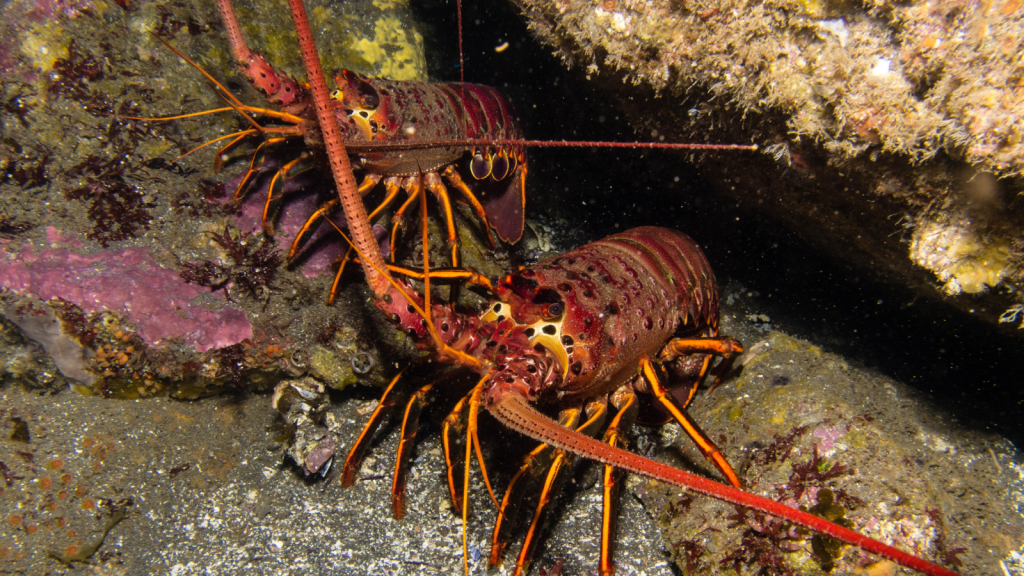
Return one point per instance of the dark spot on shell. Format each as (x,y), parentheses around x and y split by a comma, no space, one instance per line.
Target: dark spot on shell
(409,308)
(661,322)
(571,261)
(497,308)
(565,287)
(648,323)
(576,368)
(529,332)
(502,349)
(567,340)
(549,329)
(581,337)
(491,343)
(611,309)
(444,327)
(590,269)
(588,293)
(570,276)
(531,369)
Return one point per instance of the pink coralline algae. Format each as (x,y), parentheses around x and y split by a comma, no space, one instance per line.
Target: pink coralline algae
(828,438)
(128,282)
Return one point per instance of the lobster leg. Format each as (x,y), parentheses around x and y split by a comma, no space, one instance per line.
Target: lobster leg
(413,409)
(337,276)
(628,407)
(433,183)
(668,401)
(387,403)
(728,348)
(453,434)
(277,183)
(399,218)
(455,180)
(558,473)
(517,492)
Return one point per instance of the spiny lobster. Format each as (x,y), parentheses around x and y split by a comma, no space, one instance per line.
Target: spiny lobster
(572,330)
(413,136)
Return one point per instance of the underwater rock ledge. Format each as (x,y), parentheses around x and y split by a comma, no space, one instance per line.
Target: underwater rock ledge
(892,133)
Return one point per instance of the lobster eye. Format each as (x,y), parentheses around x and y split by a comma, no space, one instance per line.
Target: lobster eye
(554,310)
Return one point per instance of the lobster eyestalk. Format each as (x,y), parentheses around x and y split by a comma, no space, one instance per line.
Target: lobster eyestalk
(514,410)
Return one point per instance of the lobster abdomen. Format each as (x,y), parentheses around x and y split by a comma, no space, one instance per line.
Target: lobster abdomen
(623,298)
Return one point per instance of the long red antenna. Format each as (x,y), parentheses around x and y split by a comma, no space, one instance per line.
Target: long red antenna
(547,144)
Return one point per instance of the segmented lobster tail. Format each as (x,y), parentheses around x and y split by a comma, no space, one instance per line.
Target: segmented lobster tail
(675,262)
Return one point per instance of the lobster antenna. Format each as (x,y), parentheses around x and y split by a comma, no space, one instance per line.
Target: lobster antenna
(456,142)
(209,77)
(515,411)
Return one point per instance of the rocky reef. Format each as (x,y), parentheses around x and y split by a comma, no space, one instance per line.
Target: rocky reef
(891,132)
(175,393)
(131,274)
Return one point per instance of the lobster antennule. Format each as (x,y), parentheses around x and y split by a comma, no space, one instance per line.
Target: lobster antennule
(515,411)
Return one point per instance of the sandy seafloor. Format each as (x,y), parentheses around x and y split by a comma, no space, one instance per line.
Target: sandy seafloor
(203,486)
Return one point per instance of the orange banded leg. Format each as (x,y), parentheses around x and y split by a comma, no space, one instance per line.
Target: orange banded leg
(453,437)
(627,405)
(387,403)
(368,183)
(276,187)
(255,165)
(704,444)
(532,469)
(472,443)
(399,218)
(337,276)
(410,422)
(324,208)
(455,180)
(727,348)
(433,183)
(558,473)
(464,275)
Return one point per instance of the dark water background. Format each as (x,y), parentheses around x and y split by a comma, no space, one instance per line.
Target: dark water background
(970,368)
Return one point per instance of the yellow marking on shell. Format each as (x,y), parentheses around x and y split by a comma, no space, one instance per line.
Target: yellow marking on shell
(361,116)
(551,342)
(492,315)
